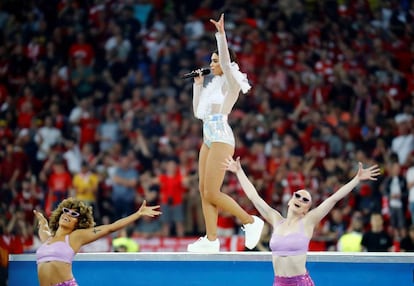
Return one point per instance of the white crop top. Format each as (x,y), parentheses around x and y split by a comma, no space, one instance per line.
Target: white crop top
(223,90)
(211,94)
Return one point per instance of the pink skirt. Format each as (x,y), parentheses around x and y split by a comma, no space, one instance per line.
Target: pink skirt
(300,280)
(71,282)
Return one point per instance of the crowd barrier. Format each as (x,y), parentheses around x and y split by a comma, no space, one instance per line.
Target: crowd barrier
(225,268)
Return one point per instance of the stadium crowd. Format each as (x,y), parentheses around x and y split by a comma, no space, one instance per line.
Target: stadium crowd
(92,105)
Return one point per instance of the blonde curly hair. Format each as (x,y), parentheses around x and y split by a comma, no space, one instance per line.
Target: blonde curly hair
(85,220)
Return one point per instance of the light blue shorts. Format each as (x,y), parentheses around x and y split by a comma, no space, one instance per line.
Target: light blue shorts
(217,129)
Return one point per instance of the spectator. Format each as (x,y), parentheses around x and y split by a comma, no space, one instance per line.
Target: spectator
(86,122)
(109,131)
(28,195)
(72,155)
(82,78)
(58,182)
(19,65)
(117,47)
(89,156)
(81,49)
(47,137)
(16,234)
(28,97)
(4,254)
(172,184)
(85,185)
(104,199)
(25,115)
(13,165)
(351,240)
(403,143)
(117,53)
(376,239)
(333,228)
(124,241)
(130,25)
(148,227)
(395,189)
(407,243)
(194,30)
(13,236)
(29,147)
(124,184)
(410,185)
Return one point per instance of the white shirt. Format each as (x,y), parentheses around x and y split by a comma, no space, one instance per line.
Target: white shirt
(403,145)
(410,179)
(46,137)
(73,158)
(395,190)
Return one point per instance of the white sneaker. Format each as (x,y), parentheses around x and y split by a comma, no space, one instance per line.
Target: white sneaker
(253,232)
(203,245)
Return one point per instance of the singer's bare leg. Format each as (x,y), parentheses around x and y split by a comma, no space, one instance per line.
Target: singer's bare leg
(211,176)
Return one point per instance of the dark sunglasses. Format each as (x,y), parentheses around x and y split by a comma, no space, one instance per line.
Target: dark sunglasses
(70,212)
(302,198)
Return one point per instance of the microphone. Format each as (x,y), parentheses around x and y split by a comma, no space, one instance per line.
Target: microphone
(194,74)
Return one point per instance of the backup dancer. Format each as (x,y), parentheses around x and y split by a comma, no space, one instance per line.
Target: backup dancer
(291,235)
(71,226)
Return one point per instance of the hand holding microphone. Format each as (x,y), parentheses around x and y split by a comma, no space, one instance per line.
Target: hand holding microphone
(193,74)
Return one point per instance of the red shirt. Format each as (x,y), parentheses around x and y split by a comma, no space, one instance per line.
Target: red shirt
(14,244)
(27,204)
(59,182)
(36,103)
(58,186)
(3,93)
(171,188)
(296,181)
(11,163)
(226,221)
(24,119)
(88,129)
(273,165)
(84,51)
(5,132)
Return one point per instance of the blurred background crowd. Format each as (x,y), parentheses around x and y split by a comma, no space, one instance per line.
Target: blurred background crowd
(92,105)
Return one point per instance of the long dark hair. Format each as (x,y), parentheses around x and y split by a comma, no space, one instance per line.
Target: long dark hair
(233,56)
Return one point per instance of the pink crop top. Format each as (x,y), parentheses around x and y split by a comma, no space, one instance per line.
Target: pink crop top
(56,251)
(296,243)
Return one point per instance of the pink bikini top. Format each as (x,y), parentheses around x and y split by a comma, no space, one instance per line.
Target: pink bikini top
(296,243)
(56,251)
